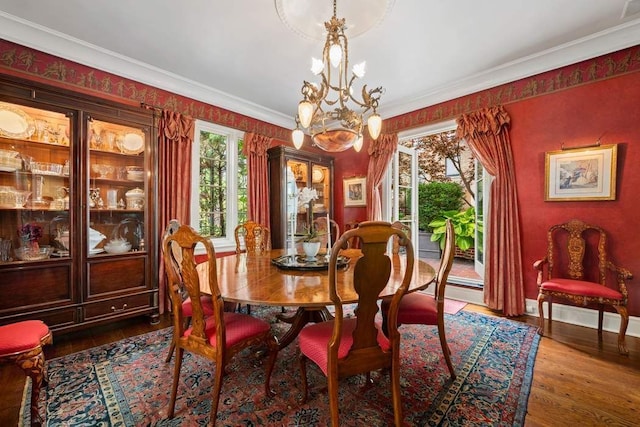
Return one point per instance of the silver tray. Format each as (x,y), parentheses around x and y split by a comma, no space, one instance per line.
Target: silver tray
(301,262)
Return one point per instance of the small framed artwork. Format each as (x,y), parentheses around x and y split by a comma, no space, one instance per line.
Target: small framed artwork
(355,191)
(581,174)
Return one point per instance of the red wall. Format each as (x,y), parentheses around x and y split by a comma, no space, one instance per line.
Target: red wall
(577,117)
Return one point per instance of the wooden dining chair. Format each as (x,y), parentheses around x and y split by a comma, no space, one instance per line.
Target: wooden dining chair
(187,308)
(576,269)
(217,337)
(344,347)
(21,343)
(252,238)
(422,309)
(332,229)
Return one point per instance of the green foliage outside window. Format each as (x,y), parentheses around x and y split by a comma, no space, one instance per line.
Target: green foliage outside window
(213,184)
(434,198)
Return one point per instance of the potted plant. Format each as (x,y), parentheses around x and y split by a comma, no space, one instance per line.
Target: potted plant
(311,241)
(464,226)
(433,199)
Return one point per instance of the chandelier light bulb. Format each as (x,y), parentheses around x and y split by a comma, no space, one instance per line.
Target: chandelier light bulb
(317,66)
(298,138)
(335,54)
(374,123)
(305,113)
(359,69)
(357,146)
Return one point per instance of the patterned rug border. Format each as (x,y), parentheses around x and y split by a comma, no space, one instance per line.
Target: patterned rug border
(120,414)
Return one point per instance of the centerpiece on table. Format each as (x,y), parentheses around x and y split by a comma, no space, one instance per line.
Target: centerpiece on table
(311,238)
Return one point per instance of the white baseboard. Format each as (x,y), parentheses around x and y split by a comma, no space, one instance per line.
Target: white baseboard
(561,313)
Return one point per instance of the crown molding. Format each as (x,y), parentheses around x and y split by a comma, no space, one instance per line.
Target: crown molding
(611,40)
(44,39)
(37,37)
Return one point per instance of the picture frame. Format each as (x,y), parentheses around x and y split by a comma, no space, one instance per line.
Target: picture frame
(355,191)
(581,174)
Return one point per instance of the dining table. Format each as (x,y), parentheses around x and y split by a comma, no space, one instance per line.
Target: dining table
(256,279)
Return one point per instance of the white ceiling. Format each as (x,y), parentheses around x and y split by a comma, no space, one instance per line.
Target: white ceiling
(239,55)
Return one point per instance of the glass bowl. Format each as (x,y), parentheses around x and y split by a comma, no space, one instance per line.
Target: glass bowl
(25,253)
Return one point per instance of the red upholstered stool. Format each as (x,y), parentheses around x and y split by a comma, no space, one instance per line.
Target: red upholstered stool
(21,343)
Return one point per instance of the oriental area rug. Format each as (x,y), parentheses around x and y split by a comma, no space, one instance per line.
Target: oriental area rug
(127,383)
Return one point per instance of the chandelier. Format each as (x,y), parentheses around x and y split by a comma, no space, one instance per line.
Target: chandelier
(324,109)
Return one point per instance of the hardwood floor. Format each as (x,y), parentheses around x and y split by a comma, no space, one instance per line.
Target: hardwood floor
(574,383)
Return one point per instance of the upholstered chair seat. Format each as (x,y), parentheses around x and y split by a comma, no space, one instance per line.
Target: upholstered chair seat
(21,343)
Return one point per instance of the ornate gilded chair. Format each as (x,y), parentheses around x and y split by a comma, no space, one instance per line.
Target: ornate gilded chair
(418,308)
(21,343)
(344,347)
(217,337)
(576,270)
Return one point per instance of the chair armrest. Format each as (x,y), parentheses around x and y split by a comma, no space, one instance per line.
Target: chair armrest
(539,265)
(622,274)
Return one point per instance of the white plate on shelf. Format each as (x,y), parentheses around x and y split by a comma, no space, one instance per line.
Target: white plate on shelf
(15,123)
(317,176)
(132,143)
(95,251)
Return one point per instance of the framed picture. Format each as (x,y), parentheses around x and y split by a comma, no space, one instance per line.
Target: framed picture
(355,191)
(587,173)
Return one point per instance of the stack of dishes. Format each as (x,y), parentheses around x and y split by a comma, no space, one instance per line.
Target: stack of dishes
(117,246)
(135,173)
(10,160)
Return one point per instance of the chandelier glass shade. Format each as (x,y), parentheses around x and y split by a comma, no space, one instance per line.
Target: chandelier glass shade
(330,110)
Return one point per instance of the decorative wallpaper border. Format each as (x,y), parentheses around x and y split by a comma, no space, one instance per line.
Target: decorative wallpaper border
(21,61)
(603,67)
(24,62)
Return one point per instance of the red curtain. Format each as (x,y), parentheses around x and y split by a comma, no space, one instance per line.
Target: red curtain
(175,140)
(380,154)
(487,134)
(255,149)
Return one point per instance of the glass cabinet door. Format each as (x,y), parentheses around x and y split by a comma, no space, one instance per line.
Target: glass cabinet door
(35,184)
(116,188)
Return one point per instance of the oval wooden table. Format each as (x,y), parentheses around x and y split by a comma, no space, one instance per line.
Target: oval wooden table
(255,280)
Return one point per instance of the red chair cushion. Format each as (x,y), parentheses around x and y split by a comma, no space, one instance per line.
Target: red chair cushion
(581,288)
(416,308)
(21,336)
(207,306)
(238,327)
(313,341)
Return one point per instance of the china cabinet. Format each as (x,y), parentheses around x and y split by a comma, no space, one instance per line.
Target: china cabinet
(77,224)
(290,173)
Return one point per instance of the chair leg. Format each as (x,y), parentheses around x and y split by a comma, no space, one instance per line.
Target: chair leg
(624,322)
(272,343)
(600,320)
(445,350)
(303,376)
(540,314)
(217,387)
(396,393)
(33,365)
(172,346)
(176,377)
(332,385)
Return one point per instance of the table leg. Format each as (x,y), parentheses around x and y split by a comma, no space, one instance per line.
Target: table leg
(302,316)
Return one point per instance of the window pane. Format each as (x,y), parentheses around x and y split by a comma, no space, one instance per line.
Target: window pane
(213,184)
(243,195)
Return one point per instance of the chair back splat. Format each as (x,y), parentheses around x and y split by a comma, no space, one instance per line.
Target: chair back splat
(252,238)
(219,336)
(348,346)
(576,269)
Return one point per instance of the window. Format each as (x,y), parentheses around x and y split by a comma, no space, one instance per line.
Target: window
(218,183)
